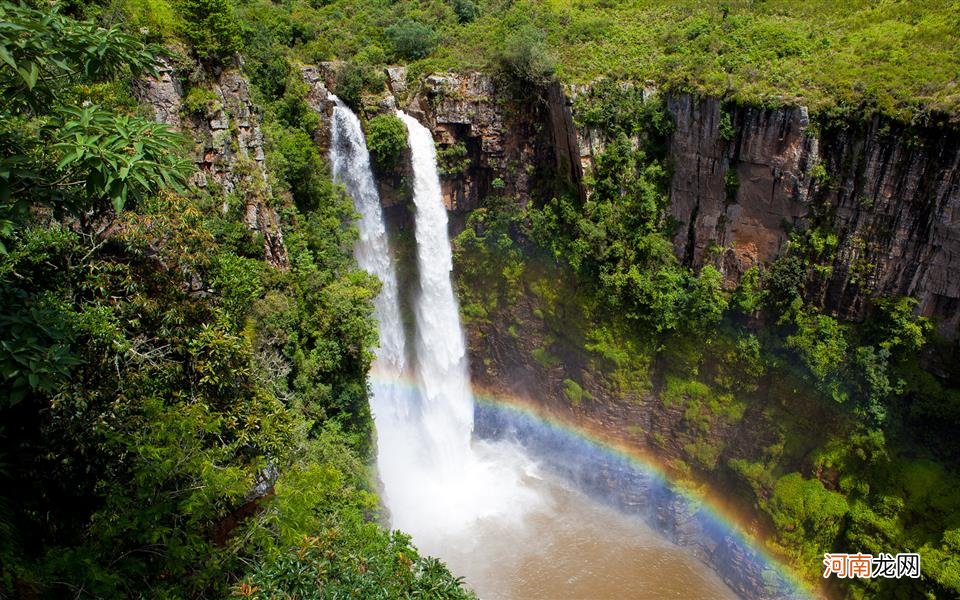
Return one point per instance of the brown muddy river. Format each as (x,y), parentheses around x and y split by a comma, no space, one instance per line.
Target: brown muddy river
(573,547)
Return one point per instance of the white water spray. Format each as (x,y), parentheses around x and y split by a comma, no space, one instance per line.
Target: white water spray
(440,483)
(441,351)
(389,402)
(437,483)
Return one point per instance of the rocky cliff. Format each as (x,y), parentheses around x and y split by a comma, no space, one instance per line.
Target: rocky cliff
(228,142)
(889,192)
(743,178)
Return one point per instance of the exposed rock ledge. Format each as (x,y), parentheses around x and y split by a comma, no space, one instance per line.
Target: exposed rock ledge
(228,147)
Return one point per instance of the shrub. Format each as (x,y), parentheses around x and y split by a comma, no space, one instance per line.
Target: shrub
(706,301)
(821,344)
(544,358)
(211,27)
(574,392)
(748,297)
(156,16)
(411,40)
(466,10)
(386,139)
(726,129)
(200,101)
(784,281)
(525,57)
(808,516)
(453,160)
(353,79)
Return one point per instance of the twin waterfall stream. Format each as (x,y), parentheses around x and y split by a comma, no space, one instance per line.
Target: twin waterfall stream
(510,527)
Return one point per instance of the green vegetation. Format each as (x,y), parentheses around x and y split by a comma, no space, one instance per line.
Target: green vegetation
(386,139)
(454,160)
(808,517)
(211,28)
(525,57)
(411,40)
(574,393)
(179,418)
(616,237)
(897,58)
(200,101)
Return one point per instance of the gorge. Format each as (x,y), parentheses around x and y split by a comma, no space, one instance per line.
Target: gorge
(478,298)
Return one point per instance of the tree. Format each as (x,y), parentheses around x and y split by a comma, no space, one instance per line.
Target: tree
(821,343)
(466,10)
(706,301)
(524,56)
(353,79)
(212,28)
(411,40)
(386,139)
(79,160)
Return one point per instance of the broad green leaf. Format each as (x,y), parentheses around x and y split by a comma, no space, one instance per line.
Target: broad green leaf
(6,57)
(29,74)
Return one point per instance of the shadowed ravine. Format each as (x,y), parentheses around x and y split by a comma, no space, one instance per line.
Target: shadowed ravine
(513,527)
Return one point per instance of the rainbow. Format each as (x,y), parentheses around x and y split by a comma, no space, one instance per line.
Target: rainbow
(708,508)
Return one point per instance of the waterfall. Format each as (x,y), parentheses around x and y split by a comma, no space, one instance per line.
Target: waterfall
(441,351)
(389,399)
(350,162)
(438,483)
(482,506)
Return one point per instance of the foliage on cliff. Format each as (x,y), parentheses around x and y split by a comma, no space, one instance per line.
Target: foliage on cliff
(178,418)
(387,139)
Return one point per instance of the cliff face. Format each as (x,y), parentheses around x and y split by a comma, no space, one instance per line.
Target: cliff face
(228,145)
(743,177)
(889,193)
(769,158)
(894,199)
(508,139)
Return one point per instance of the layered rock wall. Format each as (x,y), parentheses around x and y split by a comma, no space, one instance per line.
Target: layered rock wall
(890,194)
(743,178)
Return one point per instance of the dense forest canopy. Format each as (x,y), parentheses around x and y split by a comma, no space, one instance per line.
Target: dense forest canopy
(178,418)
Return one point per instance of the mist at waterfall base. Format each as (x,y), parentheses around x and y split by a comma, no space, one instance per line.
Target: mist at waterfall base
(496,516)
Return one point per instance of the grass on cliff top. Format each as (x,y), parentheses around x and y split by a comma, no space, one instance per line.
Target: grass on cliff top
(897,57)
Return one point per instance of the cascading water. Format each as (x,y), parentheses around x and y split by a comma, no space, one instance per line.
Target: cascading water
(437,482)
(441,352)
(449,483)
(350,163)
